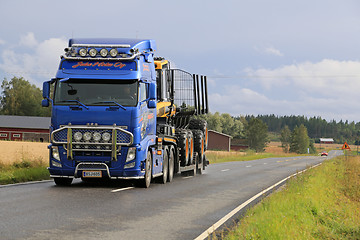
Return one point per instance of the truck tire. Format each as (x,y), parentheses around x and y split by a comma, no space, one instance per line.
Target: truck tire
(63,181)
(200,124)
(190,147)
(199,145)
(183,144)
(165,166)
(145,183)
(195,160)
(171,163)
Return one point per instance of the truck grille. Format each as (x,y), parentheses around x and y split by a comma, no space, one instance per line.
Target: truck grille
(95,140)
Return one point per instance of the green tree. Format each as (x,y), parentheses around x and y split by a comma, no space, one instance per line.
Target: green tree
(257,134)
(20,97)
(285,138)
(299,140)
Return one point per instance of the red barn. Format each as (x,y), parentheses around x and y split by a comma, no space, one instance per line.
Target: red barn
(219,141)
(24,128)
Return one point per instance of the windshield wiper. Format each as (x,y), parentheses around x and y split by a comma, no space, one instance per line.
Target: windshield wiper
(116,103)
(78,102)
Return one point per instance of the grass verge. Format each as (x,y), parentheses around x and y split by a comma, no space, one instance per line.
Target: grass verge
(323,203)
(221,157)
(23,171)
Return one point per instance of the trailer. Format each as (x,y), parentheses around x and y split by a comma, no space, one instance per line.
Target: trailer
(118,112)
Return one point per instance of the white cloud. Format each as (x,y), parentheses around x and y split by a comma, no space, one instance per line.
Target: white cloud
(328,88)
(273,51)
(35,61)
(28,40)
(2,42)
(269,50)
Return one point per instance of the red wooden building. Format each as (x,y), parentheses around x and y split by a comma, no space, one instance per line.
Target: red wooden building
(219,141)
(24,128)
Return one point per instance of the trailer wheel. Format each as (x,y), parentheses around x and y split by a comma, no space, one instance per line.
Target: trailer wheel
(171,164)
(145,183)
(165,166)
(183,144)
(199,145)
(200,124)
(63,181)
(196,161)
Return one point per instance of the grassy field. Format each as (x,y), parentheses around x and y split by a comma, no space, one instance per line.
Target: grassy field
(323,203)
(23,161)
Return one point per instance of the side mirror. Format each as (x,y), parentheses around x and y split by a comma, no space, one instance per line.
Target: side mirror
(152,104)
(152,91)
(45,103)
(46,89)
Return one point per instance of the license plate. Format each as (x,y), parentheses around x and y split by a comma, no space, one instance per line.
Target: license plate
(92,174)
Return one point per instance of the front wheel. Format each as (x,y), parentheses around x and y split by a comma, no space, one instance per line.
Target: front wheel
(63,181)
(165,167)
(148,171)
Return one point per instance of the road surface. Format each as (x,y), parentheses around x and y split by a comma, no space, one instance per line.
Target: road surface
(182,209)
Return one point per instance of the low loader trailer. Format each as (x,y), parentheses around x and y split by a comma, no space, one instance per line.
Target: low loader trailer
(119,112)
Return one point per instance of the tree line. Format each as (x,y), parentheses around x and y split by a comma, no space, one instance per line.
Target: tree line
(20,97)
(317,127)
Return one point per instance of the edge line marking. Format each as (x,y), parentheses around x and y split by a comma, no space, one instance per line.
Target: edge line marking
(213,228)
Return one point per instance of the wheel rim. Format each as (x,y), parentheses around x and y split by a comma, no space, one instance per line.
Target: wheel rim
(171,166)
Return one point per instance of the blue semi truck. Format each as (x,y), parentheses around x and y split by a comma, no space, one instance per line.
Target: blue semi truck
(119,112)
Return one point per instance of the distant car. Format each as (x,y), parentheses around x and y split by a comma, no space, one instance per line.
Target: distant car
(324,154)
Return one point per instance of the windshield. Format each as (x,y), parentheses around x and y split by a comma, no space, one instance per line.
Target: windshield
(96,92)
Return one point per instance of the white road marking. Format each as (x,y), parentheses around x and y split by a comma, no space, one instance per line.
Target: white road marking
(121,189)
(213,228)
(187,177)
(225,170)
(265,163)
(248,166)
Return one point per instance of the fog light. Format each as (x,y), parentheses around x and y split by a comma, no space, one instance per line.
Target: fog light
(130,165)
(106,136)
(96,136)
(78,136)
(56,164)
(87,136)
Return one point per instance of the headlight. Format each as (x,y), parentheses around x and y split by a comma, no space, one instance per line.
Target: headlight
(113,52)
(104,52)
(78,136)
(131,154)
(82,52)
(87,136)
(55,153)
(96,136)
(106,136)
(92,52)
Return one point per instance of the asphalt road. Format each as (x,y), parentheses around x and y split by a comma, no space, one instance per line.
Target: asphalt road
(182,209)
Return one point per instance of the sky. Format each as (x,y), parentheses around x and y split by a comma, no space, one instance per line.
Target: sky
(299,57)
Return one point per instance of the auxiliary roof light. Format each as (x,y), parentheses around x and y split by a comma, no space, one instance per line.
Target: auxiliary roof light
(82,52)
(92,52)
(113,52)
(104,52)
